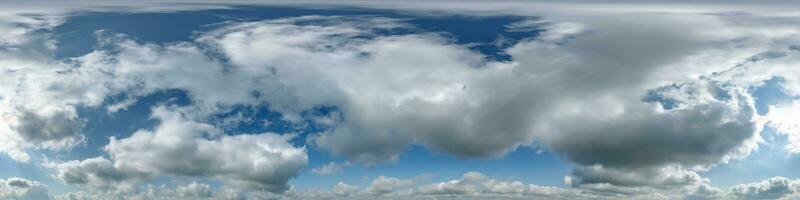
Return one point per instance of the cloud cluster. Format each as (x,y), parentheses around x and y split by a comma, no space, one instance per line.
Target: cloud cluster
(647,147)
(642,103)
(384,185)
(472,185)
(22,189)
(637,101)
(772,188)
(193,190)
(35,104)
(182,148)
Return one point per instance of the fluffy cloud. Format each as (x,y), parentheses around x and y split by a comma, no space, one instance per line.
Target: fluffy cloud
(97,172)
(784,118)
(193,190)
(36,105)
(344,189)
(374,85)
(478,185)
(472,185)
(182,148)
(464,186)
(385,185)
(22,189)
(394,91)
(449,99)
(597,177)
(659,146)
(773,188)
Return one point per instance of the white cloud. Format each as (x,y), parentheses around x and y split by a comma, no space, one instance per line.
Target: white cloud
(472,185)
(393,91)
(344,189)
(22,189)
(773,188)
(36,104)
(480,187)
(784,118)
(331,168)
(397,90)
(99,173)
(578,90)
(196,191)
(182,148)
(464,186)
(375,84)
(477,185)
(385,185)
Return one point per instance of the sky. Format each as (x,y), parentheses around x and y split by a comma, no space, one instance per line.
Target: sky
(399,100)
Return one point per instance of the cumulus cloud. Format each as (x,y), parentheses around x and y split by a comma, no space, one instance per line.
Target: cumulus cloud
(478,185)
(385,185)
(192,190)
(22,189)
(771,188)
(472,185)
(39,129)
(35,104)
(473,108)
(465,185)
(97,172)
(344,189)
(784,118)
(182,148)
(597,177)
(659,148)
(449,99)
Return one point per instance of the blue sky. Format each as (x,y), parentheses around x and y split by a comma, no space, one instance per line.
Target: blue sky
(364,101)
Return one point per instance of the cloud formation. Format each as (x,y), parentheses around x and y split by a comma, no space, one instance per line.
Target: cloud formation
(22,189)
(636,104)
(182,148)
(783,118)
(35,113)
